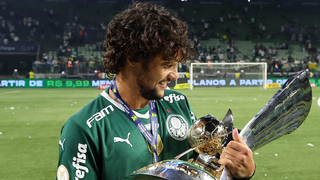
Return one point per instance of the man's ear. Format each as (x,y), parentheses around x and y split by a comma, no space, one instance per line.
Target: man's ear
(132,63)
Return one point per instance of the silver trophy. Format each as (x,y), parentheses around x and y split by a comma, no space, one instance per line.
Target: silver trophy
(283,114)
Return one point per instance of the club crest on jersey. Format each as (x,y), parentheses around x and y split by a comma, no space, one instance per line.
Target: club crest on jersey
(177,127)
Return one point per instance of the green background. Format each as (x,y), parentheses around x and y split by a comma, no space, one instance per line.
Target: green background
(31,120)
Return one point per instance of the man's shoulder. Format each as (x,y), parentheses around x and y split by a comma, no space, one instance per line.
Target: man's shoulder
(96,110)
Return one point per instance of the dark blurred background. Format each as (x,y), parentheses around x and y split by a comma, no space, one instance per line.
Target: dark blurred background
(51,37)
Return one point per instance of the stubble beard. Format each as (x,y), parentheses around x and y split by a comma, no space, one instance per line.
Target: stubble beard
(145,91)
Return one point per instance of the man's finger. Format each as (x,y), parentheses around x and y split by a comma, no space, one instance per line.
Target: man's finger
(230,151)
(226,162)
(237,137)
(238,146)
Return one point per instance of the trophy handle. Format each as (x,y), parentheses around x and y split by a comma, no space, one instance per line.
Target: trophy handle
(283,114)
(228,121)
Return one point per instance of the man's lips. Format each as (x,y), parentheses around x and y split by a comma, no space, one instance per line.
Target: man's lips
(164,82)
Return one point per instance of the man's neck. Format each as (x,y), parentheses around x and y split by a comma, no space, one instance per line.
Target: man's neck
(129,92)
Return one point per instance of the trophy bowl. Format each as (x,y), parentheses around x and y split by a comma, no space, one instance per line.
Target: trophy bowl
(171,170)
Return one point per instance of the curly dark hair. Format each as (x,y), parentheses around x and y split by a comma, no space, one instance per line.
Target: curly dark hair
(142,32)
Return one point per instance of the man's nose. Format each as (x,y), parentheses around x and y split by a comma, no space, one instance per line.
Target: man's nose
(174,73)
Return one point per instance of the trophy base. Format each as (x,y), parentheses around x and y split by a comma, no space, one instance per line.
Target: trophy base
(171,170)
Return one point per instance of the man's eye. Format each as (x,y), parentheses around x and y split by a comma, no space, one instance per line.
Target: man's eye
(168,65)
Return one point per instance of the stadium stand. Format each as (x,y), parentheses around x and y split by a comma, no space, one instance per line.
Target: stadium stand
(277,33)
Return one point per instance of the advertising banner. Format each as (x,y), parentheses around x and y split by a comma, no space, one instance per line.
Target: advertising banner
(19,48)
(52,83)
(199,82)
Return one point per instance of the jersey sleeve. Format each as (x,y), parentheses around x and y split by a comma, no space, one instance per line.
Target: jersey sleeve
(78,154)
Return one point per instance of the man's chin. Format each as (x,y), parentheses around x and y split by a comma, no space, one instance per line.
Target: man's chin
(153,94)
(160,96)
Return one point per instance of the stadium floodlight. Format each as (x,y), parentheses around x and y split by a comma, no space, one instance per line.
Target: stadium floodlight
(228,75)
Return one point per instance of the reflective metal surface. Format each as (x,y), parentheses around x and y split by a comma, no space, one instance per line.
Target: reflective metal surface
(201,135)
(211,161)
(283,114)
(171,170)
(207,135)
(228,121)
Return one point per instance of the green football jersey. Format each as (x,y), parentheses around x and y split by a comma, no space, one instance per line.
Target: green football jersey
(101,142)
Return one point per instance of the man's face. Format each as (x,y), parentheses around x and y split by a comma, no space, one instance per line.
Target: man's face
(153,78)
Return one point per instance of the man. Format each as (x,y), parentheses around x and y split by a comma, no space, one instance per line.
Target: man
(31,74)
(137,122)
(70,66)
(202,75)
(96,74)
(15,74)
(63,75)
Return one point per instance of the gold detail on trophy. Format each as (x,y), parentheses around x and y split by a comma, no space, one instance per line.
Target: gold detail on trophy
(159,146)
(211,147)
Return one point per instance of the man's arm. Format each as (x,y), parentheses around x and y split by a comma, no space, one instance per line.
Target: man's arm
(77,154)
(238,158)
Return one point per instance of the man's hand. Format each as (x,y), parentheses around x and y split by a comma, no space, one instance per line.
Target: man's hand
(237,157)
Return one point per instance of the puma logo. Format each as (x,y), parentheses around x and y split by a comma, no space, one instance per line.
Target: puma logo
(117,139)
(61,143)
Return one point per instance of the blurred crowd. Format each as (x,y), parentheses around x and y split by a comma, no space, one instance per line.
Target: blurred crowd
(71,64)
(64,36)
